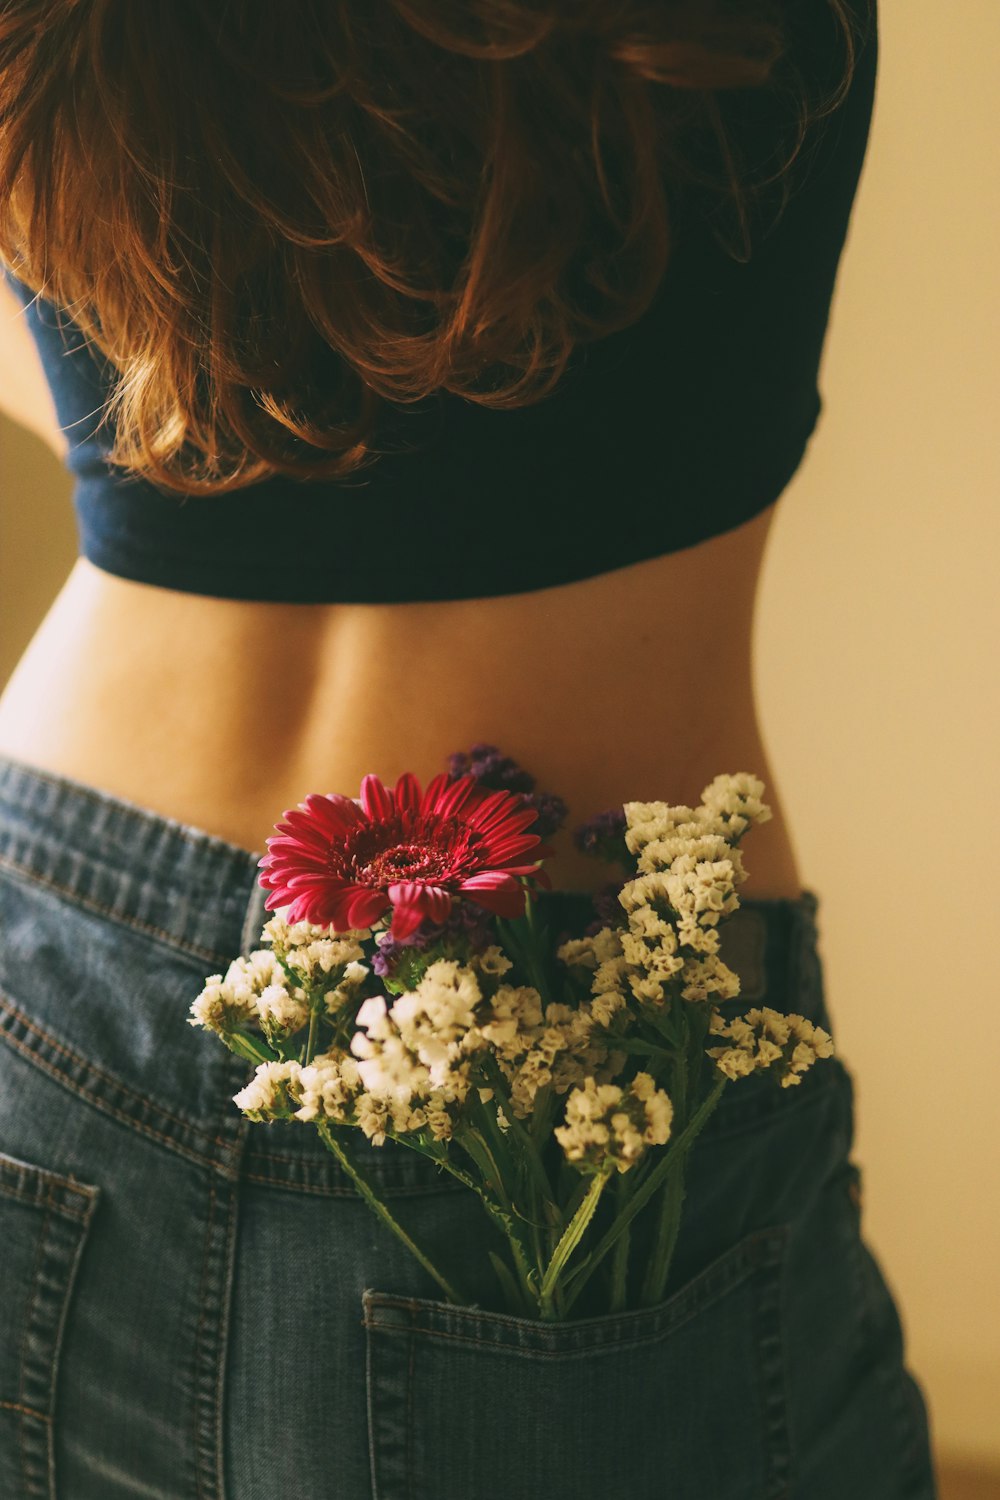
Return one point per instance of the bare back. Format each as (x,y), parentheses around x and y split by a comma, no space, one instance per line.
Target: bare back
(222,713)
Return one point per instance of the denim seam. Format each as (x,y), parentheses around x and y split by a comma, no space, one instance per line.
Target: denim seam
(223,1340)
(70,1280)
(197,1360)
(410,1424)
(91,1070)
(102,1105)
(74,895)
(66,1213)
(771,1370)
(23,1352)
(370,1412)
(348,1190)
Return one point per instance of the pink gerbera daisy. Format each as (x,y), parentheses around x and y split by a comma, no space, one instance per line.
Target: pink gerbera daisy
(338,863)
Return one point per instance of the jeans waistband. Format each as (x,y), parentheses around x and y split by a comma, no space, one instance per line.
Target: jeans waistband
(199,894)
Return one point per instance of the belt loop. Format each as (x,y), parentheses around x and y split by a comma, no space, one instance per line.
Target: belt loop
(743,948)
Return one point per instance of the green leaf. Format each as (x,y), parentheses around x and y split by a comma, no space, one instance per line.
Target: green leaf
(248,1047)
(573,1232)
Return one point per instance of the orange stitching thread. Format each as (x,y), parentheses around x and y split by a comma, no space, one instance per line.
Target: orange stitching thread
(6,1003)
(49,1202)
(126,919)
(102,1104)
(22,1362)
(197,1337)
(27,1411)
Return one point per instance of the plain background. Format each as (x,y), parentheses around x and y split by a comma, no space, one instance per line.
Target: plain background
(875,647)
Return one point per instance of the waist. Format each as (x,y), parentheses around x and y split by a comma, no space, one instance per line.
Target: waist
(222,714)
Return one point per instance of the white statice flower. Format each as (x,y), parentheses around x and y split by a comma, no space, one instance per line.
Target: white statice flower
(510,1017)
(218,1009)
(617,1123)
(605,1006)
(416,1056)
(345,992)
(703,887)
(648,821)
(266,1096)
(387,1066)
(737,800)
(491,960)
(285,936)
(765,1038)
(705,977)
(659,958)
(373,1118)
(437,1021)
(328,1088)
(234,1000)
(646,989)
(578,952)
(324,960)
(644,890)
(698,938)
(559,1046)
(281,1010)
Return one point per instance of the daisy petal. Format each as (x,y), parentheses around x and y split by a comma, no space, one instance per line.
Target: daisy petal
(448,799)
(406,793)
(364,906)
(504,899)
(377,802)
(407,907)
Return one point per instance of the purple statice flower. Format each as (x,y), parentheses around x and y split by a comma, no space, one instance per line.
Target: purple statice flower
(498,772)
(607,907)
(604,836)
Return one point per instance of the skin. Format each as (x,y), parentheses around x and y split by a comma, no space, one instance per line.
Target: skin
(221,713)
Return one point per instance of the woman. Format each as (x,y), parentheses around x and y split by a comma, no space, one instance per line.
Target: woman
(417,399)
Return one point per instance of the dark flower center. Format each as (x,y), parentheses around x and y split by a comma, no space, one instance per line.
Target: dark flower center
(432,849)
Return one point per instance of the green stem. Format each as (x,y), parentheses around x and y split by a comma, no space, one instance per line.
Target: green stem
(472,1142)
(311,1038)
(571,1237)
(383,1213)
(526,1293)
(643,1194)
(671,1202)
(619,1264)
(495,1078)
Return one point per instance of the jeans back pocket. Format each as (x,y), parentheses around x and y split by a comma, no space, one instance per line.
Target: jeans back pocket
(681,1401)
(44,1220)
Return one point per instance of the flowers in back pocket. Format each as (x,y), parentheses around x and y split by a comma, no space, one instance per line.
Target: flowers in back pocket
(411,991)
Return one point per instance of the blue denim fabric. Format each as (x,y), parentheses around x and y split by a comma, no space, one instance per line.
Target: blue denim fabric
(195,1307)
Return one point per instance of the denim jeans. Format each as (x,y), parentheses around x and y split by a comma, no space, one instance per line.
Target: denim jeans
(196,1307)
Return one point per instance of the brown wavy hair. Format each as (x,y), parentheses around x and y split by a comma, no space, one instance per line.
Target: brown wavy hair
(272,218)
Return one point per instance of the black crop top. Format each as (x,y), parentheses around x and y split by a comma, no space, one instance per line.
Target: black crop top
(679,428)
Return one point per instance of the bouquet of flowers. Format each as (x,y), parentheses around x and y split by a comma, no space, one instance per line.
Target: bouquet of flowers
(410,990)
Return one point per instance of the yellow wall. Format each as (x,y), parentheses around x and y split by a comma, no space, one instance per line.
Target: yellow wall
(876,645)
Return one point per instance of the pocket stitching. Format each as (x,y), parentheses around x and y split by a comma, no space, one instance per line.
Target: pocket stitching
(34,1446)
(764,1252)
(760,1250)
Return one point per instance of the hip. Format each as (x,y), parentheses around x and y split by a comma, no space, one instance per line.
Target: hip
(189,1276)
